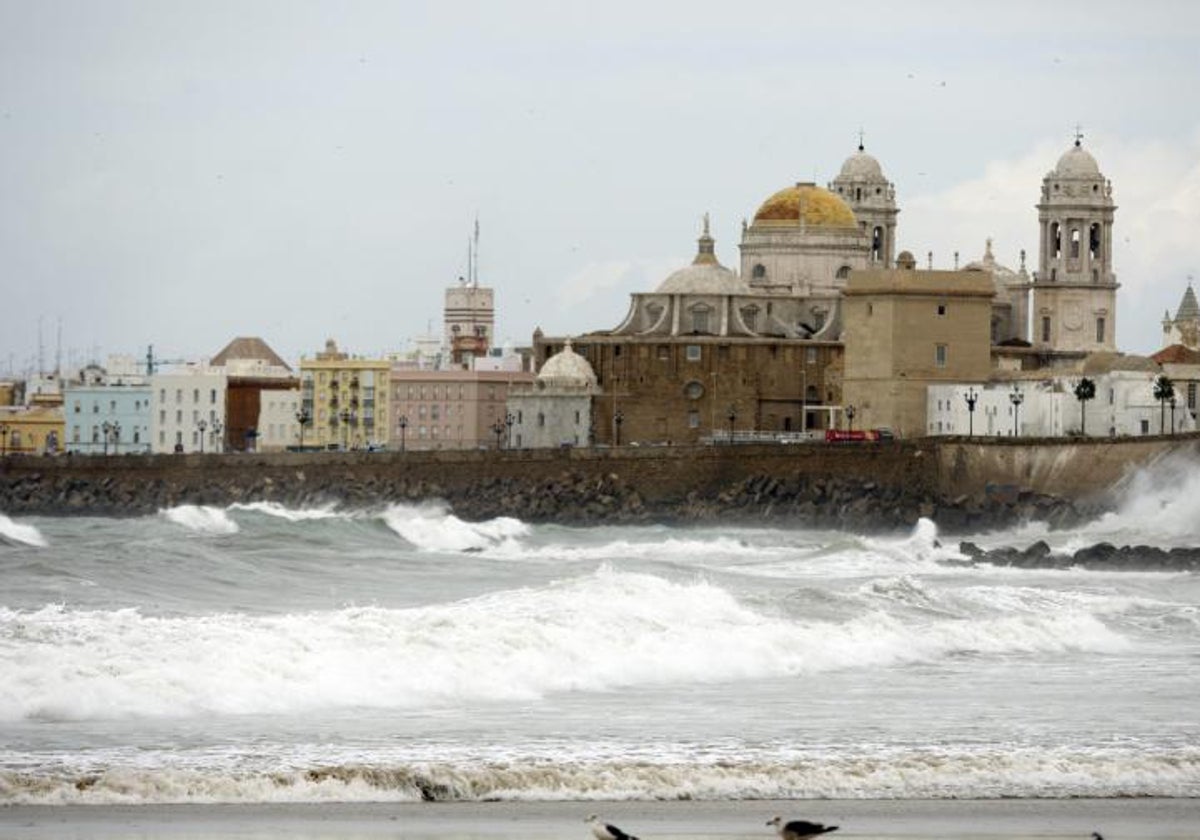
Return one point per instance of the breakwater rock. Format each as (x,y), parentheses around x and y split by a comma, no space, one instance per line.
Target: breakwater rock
(876,489)
(1100,557)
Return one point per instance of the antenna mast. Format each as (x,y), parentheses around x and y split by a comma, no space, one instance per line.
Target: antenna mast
(475,278)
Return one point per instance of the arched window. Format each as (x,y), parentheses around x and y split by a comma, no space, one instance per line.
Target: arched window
(877,244)
(759,272)
(843,272)
(750,318)
(1100,332)
(1055,241)
(1094,241)
(1074,243)
(700,315)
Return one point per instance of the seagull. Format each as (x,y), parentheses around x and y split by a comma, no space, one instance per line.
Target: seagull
(607,831)
(799,829)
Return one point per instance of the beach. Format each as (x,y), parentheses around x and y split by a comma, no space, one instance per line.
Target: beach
(1010,819)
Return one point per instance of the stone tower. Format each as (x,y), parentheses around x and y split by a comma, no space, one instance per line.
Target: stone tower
(872,197)
(1074,288)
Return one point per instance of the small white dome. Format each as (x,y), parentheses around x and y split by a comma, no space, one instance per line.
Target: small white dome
(567,368)
(1002,275)
(1076,162)
(861,166)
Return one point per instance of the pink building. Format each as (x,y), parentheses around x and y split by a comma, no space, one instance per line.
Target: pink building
(451,409)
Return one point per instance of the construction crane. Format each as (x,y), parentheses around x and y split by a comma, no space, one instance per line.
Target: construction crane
(152,363)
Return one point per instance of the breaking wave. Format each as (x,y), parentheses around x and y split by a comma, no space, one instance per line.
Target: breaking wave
(19,533)
(901,774)
(597,632)
(202,519)
(432,528)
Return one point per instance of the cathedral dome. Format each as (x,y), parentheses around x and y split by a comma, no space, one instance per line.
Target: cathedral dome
(861,166)
(1076,162)
(1002,275)
(567,368)
(807,205)
(705,276)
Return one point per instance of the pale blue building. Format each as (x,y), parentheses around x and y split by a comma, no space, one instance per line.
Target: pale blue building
(111,418)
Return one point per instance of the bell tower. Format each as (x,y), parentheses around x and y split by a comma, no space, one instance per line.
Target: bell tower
(862,184)
(1075,288)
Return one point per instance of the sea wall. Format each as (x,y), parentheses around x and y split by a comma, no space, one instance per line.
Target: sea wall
(961,483)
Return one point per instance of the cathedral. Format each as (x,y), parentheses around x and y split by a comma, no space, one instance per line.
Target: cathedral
(713,350)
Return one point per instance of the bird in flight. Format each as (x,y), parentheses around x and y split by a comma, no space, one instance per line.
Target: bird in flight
(799,829)
(607,831)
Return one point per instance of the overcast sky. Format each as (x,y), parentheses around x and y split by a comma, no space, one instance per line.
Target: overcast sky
(178,174)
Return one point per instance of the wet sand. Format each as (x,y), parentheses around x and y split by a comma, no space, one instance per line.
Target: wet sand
(1116,819)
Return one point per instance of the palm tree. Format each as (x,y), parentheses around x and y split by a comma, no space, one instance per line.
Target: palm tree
(1164,389)
(1084,391)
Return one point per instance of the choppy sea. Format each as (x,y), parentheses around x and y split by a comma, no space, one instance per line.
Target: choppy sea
(257,653)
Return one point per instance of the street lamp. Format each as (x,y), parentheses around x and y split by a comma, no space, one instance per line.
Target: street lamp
(972,397)
(116,435)
(106,431)
(344,415)
(217,426)
(508,422)
(850,418)
(3,439)
(731,416)
(403,422)
(498,429)
(618,419)
(1172,401)
(1016,397)
(201,425)
(303,417)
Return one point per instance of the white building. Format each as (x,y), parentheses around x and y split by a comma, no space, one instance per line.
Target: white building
(556,410)
(277,426)
(188,413)
(1124,404)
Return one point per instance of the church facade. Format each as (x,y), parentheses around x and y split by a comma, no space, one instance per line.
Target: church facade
(712,351)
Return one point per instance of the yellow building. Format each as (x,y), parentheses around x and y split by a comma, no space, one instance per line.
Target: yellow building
(31,431)
(345,400)
(904,330)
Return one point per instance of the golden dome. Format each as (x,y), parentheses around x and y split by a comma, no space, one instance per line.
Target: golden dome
(807,205)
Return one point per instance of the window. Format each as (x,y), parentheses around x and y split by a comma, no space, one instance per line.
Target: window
(576,417)
(759,272)
(162,394)
(693,352)
(212,397)
(1145,427)
(693,390)
(162,416)
(941,310)
(700,319)
(693,419)
(664,352)
(75,434)
(541,419)
(843,272)
(1045,328)
(95,407)
(1074,243)
(750,317)
(195,395)
(1191,395)
(939,355)
(1099,330)
(178,415)
(76,406)
(178,395)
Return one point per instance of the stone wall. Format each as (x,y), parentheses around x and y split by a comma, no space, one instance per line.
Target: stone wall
(963,484)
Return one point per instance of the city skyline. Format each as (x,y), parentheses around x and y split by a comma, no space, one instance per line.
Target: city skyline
(180,176)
